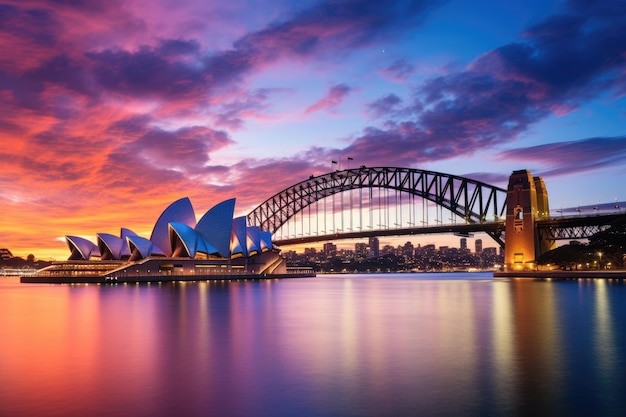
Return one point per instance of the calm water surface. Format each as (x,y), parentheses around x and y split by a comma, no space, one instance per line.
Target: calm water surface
(349,345)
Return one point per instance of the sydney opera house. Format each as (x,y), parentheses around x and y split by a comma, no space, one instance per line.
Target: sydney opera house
(217,246)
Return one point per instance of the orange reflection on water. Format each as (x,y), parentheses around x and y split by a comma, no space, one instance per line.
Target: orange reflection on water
(48,344)
(346,345)
(538,341)
(62,342)
(24,333)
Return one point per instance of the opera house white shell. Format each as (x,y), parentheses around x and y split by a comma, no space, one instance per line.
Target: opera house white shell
(179,248)
(176,234)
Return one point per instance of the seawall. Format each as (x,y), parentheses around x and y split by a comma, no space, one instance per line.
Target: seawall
(557,274)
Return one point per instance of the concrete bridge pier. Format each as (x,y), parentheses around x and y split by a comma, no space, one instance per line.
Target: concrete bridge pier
(526,202)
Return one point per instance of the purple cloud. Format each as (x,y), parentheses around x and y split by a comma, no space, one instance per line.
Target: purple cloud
(248,104)
(559,64)
(335,26)
(184,150)
(63,71)
(399,70)
(38,26)
(177,68)
(146,72)
(573,156)
(153,158)
(176,48)
(390,105)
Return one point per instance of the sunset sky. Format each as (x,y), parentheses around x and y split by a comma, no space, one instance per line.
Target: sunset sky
(109,111)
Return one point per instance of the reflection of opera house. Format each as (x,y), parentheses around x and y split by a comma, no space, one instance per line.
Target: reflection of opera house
(179,249)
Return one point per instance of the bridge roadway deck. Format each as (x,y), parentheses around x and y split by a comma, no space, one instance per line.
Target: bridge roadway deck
(600,219)
(455,228)
(555,222)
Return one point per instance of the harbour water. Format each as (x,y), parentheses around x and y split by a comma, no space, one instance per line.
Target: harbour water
(341,345)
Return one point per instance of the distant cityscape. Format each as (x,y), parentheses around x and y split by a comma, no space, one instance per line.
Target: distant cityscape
(371,257)
(365,257)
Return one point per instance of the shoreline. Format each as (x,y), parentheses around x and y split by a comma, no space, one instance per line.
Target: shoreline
(155,279)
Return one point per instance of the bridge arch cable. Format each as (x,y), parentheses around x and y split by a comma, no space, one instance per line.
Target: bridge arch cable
(471,200)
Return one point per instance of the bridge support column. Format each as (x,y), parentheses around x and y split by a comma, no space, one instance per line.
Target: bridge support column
(526,202)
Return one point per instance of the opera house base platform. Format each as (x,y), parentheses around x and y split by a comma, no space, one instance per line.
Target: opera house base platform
(161,269)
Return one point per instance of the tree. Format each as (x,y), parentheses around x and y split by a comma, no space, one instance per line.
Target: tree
(568,256)
(611,243)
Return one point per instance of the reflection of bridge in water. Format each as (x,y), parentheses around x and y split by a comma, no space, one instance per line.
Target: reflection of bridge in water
(387,201)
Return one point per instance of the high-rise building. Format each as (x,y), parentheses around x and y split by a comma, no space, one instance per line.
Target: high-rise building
(360,249)
(479,245)
(330,249)
(429,249)
(374,245)
(490,252)
(408,251)
(463,244)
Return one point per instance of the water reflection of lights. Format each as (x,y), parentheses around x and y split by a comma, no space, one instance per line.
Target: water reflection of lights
(350,345)
(604,342)
(504,365)
(538,336)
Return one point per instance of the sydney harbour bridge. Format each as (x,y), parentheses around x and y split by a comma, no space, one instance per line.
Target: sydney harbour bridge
(390,201)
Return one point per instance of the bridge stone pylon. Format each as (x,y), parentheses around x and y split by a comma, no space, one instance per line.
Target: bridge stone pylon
(526,203)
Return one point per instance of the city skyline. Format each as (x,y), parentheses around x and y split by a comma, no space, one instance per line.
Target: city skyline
(382,242)
(110,111)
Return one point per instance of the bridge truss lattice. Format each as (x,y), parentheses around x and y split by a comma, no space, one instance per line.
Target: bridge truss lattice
(474,202)
(577,227)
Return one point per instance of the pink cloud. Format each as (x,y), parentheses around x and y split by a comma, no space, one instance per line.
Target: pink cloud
(333,98)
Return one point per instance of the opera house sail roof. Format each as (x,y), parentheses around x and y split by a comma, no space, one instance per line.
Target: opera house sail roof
(179,211)
(176,234)
(217,246)
(216,226)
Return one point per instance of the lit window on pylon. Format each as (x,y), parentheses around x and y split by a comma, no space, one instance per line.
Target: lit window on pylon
(518,222)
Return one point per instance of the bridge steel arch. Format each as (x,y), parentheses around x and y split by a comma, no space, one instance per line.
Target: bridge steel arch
(474,201)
